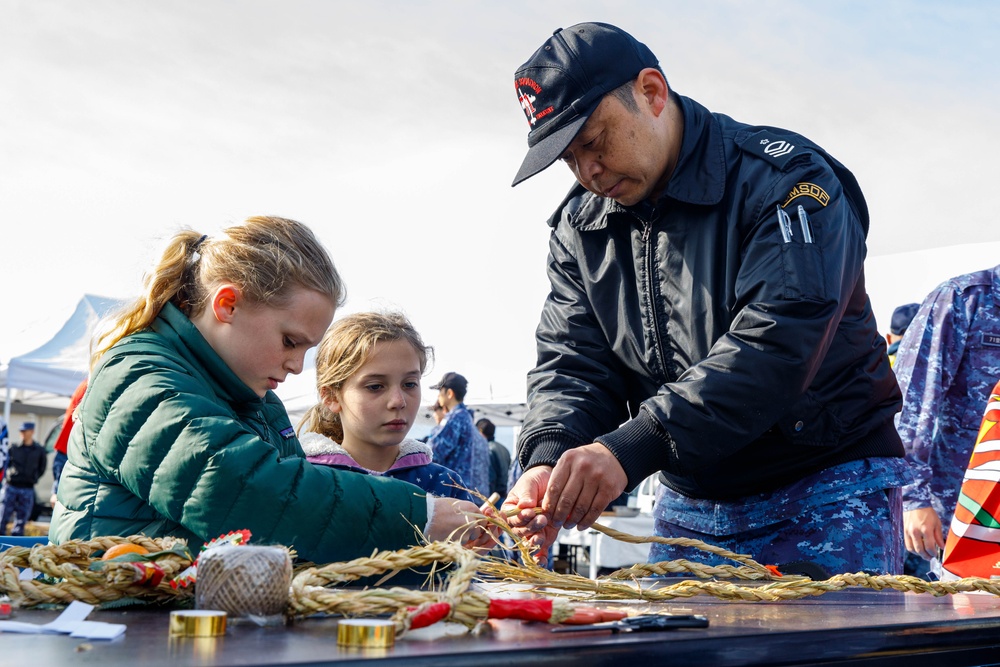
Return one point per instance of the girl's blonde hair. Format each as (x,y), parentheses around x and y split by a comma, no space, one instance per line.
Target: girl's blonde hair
(345,348)
(266,257)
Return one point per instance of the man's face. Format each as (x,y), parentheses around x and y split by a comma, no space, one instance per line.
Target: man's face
(618,154)
(28,435)
(447,399)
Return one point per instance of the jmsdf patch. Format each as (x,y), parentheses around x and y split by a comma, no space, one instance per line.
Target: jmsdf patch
(807,190)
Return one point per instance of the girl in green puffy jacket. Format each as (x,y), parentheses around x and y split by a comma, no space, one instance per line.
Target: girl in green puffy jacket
(180,432)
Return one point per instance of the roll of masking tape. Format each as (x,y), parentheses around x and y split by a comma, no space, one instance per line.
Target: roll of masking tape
(366,633)
(197,623)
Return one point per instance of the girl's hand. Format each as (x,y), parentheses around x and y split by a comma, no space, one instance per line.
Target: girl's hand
(463,522)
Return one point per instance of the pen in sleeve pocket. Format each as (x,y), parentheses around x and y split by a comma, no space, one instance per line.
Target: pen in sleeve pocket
(807,234)
(785,225)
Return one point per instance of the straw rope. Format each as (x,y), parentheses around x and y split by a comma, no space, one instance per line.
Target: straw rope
(320,589)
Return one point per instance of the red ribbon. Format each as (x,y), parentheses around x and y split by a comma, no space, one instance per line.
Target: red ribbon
(150,574)
(525,610)
(429,616)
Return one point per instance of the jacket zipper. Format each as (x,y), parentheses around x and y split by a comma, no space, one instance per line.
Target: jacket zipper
(264,432)
(647,227)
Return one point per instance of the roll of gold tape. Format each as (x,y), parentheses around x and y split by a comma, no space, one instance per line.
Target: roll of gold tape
(197,623)
(366,633)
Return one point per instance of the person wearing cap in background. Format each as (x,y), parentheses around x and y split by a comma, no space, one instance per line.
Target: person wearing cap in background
(947,365)
(4,444)
(901,318)
(25,465)
(499,458)
(707,318)
(456,443)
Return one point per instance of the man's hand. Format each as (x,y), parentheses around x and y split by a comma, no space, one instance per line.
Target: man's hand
(526,495)
(922,532)
(582,485)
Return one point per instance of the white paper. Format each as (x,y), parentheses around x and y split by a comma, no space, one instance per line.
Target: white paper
(97,630)
(70,622)
(18,626)
(66,622)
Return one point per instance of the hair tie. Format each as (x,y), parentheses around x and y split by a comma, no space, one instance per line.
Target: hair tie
(195,255)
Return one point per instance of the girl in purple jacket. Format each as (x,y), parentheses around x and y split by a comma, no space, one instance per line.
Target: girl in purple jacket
(368,370)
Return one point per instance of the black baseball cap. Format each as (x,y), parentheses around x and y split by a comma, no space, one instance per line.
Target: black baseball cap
(453,381)
(901,318)
(564,81)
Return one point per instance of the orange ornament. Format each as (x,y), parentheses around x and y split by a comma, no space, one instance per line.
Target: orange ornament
(122,549)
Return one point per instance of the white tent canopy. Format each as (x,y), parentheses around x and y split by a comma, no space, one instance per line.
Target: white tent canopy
(60,364)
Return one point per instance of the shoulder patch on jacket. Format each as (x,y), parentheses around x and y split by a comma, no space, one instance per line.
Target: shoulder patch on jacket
(807,190)
(775,149)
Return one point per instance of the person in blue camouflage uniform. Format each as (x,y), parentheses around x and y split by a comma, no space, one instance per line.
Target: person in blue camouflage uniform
(947,363)
(901,318)
(458,444)
(839,520)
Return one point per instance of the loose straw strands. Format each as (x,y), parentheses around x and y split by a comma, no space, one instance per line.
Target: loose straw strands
(750,569)
(788,587)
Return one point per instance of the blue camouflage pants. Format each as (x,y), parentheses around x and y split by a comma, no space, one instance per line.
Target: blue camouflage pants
(16,501)
(58,463)
(861,534)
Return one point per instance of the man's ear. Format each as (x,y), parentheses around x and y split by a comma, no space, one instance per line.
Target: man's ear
(653,88)
(224,302)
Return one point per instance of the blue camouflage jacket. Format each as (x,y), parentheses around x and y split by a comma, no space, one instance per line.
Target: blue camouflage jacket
(459,445)
(947,363)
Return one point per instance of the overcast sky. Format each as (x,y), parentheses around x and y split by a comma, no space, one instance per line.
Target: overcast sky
(393,130)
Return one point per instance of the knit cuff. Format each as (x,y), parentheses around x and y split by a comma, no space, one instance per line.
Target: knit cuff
(641,446)
(545,448)
(430,513)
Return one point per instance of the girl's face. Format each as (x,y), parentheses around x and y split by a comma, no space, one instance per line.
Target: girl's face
(378,404)
(264,344)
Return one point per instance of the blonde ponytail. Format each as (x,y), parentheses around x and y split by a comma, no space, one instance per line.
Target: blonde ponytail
(265,256)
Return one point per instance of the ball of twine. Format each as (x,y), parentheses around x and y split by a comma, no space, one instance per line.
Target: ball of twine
(244,581)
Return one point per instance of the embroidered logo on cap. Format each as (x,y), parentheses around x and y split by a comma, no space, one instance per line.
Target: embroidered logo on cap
(808,190)
(525,87)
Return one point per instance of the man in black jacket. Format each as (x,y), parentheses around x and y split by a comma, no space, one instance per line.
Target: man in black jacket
(25,466)
(707,320)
